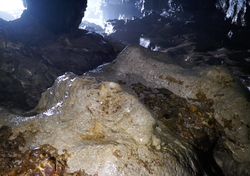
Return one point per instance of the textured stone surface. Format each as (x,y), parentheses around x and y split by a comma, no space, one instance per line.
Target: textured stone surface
(154,69)
(32,58)
(105,126)
(197,40)
(105,129)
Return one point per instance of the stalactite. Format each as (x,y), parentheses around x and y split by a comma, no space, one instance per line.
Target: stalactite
(236,10)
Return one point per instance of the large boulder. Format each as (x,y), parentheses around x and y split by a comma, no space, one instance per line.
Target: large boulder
(105,130)
(230,103)
(145,113)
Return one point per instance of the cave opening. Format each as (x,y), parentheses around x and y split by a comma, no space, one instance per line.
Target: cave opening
(98,12)
(11,9)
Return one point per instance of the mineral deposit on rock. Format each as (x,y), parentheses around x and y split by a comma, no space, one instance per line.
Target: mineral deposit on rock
(154,69)
(105,129)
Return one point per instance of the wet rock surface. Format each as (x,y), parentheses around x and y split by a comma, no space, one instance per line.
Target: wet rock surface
(151,113)
(37,160)
(32,58)
(195,41)
(105,130)
(213,116)
(144,113)
(193,122)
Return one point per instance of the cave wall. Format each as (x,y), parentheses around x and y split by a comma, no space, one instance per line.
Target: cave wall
(58,15)
(236,10)
(63,15)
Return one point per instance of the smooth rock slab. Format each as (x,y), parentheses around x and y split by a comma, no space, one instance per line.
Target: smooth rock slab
(105,129)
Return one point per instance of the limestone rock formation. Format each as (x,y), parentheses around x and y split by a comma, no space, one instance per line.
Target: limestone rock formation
(237,11)
(107,123)
(32,57)
(38,47)
(229,102)
(105,130)
(147,113)
(198,41)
